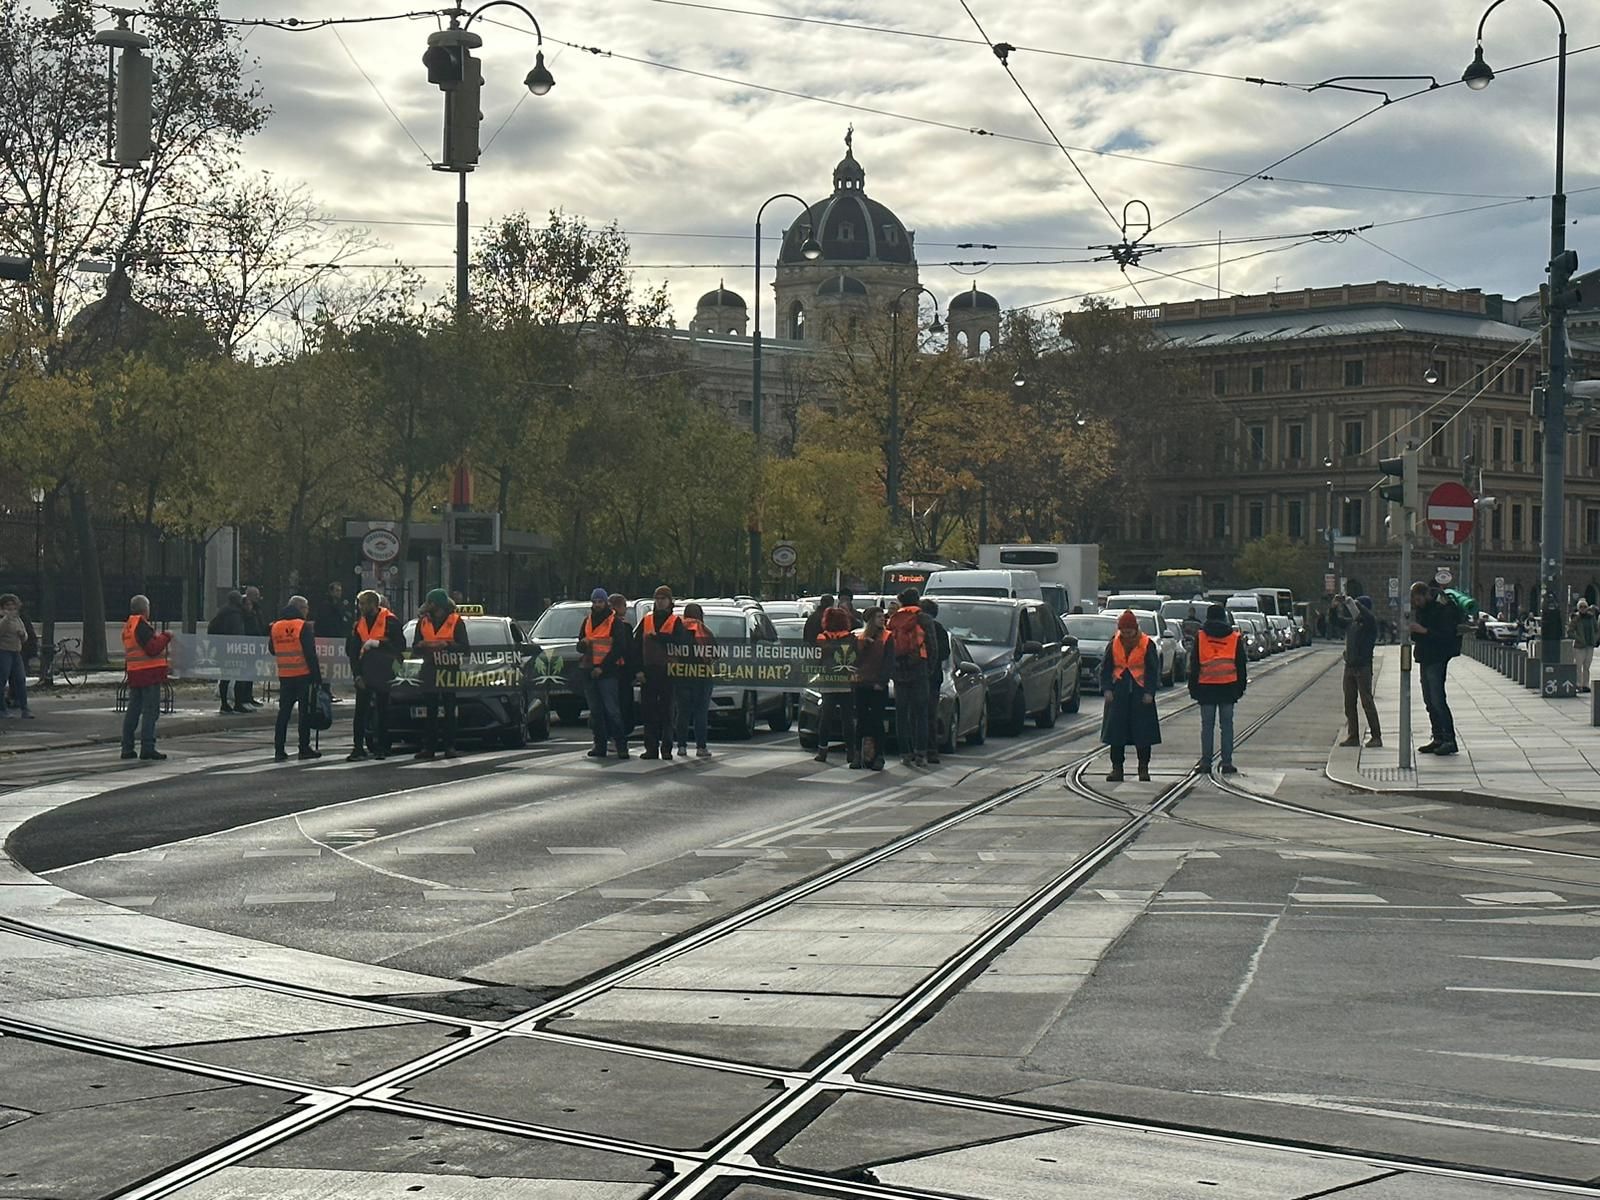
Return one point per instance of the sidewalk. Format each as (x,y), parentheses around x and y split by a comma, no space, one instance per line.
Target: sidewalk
(66,718)
(1517,748)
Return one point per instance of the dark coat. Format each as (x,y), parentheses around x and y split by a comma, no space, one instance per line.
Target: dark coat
(1218,693)
(392,645)
(1128,720)
(229,621)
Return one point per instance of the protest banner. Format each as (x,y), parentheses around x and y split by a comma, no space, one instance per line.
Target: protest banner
(767,666)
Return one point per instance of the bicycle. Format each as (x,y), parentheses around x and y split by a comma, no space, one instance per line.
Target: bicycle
(65,664)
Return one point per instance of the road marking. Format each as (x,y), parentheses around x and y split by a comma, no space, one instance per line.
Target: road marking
(1523,991)
(279,854)
(289,898)
(617,850)
(1555,830)
(418,851)
(1489,860)
(1514,898)
(1570,1064)
(1576,964)
(1336,898)
(467,896)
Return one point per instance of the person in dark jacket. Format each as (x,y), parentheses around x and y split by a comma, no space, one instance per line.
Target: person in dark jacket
(658,628)
(836,707)
(1217,678)
(229,622)
(1130,673)
(936,662)
(603,641)
(813,625)
(377,641)
(916,644)
(294,646)
(693,696)
(333,614)
(256,625)
(1360,637)
(440,630)
(627,668)
(1433,632)
(874,670)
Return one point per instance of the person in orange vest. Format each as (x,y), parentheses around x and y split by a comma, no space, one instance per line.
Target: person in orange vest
(602,653)
(440,627)
(375,642)
(1217,680)
(693,696)
(916,644)
(659,628)
(145,661)
(836,707)
(294,646)
(1130,673)
(874,670)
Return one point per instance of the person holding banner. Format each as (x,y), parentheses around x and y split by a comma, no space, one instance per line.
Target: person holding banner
(376,641)
(294,646)
(838,706)
(659,628)
(602,651)
(439,629)
(693,696)
(874,669)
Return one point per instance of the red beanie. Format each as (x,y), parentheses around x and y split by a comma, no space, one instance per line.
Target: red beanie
(1127,620)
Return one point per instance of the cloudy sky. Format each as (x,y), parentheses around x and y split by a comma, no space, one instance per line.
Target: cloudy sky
(641,135)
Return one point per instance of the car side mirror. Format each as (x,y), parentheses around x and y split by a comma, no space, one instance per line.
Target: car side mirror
(969,670)
(1033,647)
(1070,642)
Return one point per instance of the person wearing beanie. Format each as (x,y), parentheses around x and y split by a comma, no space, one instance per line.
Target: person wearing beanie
(1360,637)
(1130,673)
(602,651)
(836,707)
(658,628)
(375,643)
(1217,681)
(439,628)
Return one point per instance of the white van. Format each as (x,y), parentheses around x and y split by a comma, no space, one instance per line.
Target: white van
(1244,602)
(1014,585)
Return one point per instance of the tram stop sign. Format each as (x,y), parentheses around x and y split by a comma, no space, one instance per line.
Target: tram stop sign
(1450,513)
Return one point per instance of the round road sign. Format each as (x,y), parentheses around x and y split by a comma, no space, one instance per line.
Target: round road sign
(1450,513)
(381,545)
(783,555)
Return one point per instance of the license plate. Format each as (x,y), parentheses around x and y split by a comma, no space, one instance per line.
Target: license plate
(419,714)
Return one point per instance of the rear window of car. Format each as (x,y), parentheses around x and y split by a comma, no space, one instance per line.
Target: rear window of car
(985,624)
(1096,629)
(489,632)
(1179,610)
(559,624)
(961,590)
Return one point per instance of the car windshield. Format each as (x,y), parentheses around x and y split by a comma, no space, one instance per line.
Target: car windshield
(984,624)
(1179,610)
(1093,629)
(782,608)
(1148,623)
(558,624)
(790,629)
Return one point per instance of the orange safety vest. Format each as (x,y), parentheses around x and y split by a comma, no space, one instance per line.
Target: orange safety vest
(136,661)
(375,630)
(598,636)
(835,635)
(1218,658)
(442,635)
(670,625)
(287,650)
(1122,662)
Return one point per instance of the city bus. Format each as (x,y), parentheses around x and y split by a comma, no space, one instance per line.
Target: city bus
(1181,582)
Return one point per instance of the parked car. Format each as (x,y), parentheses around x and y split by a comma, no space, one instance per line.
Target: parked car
(1253,626)
(1283,629)
(1185,653)
(783,609)
(1118,601)
(1093,633)
(738,709)
(512,715)
(556,632)
(963,705)
(1029,662)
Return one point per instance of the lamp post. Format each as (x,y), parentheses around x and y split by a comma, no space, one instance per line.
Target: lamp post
(810,250)
(1478,76)
(892,483)
(37,495)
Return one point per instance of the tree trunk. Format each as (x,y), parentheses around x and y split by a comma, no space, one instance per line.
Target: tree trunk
(94,596)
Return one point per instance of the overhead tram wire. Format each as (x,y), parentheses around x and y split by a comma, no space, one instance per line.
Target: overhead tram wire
(382,99)
(285,24)
(1401,259)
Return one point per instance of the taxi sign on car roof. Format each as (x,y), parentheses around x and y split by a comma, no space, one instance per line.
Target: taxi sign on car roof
(470,610)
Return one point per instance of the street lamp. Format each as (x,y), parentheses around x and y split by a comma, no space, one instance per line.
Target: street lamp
(810,250)
(459,76)
(37,495)
(1478,76)
(893,483)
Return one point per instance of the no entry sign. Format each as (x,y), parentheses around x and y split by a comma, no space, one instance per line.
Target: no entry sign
(1450,513)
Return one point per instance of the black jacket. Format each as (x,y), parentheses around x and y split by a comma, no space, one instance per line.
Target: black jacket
(653,658)
(1217,693)
(1360,638)
(1440,642)
(229,622)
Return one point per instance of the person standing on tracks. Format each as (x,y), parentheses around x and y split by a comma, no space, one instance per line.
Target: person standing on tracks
(1433,631)
(1584,632)
(659,628)
(1130,673)
(916,643)
(602,650)
(1360,637)
(145,663)
(836,706)
(375,643)
(294,646)
(1217,682)
(440,631)
(874,670)
(938,655)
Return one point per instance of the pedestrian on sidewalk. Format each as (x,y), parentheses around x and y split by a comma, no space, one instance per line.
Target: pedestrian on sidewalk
(13,668)
(294,647)
(1217,683)
(377,641)
(1130,673)
(836,708)
(228,622)
(915,643)
(660,628)
(1360,638)
(333,614)
(1584,632)
(874,670)
(440,632)
(144,660)
(1433,631)
(693,696)
(939,654)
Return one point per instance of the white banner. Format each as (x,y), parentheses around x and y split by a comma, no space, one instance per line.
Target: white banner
(217,656)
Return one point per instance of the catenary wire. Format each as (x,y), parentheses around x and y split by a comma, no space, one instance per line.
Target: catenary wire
(381,98)
(1401,259)
(285,24)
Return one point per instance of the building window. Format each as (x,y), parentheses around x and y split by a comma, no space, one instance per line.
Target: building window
(1591,525)
(1258,519)
(1521,378)
(847,231)
(1219,383)
(1147,527)
(1354,439)
(1594,450)
(1219,520)
(1258,379)
(891,235)
(1516,523)
(1497,525)
(1296,442)
(1439,370)
(1436,442)
(1351,521)
(1497,444)
(1536,524)
(1294,513)
(1355,372)
(1516,445)
(1297,378)
(1180,522)
(1258,443)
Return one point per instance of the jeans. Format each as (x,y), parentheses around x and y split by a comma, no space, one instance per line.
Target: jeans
(14,673)
(1358,686)
(293,691)
(911,714)
(605,713)
(1444,725)
(144,706)
(371,722)
(1208,731)
(692,698)
(1584,657)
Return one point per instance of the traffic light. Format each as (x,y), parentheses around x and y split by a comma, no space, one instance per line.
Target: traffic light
(1567,290)
(462,116)
(1403,469)
(444,65)
(16,268)
(133,106)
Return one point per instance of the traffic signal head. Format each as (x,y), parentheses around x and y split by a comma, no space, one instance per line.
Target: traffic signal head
(444,65)
(462,117)
(1404,491)
(16,268)
(1567,289)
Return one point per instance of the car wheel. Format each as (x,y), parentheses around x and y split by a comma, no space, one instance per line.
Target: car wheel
(808,741)
(981,734)
(747,718)
(780,721)
(1076,702)
(1046,718)
(947,735)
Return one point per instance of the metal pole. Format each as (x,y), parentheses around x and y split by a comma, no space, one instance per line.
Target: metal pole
(1405,643)
(1555,415)
(893,483)
(1464,567)
(756,405)
(463,296)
